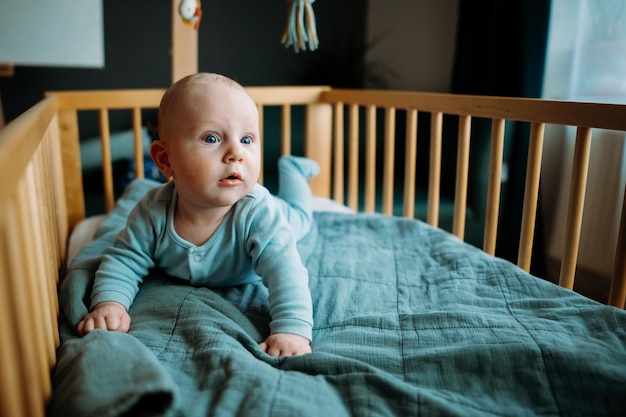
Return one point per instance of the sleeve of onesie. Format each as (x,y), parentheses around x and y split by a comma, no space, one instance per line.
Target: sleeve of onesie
(127,261)
(272,246)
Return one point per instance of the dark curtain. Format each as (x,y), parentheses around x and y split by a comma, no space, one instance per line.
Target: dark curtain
(500,50)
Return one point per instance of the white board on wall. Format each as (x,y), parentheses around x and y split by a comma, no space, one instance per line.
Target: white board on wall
(66,33)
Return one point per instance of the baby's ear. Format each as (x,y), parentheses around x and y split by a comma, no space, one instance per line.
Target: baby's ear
(158,152)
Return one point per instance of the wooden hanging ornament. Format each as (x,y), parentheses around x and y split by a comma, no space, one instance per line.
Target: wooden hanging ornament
(191,12)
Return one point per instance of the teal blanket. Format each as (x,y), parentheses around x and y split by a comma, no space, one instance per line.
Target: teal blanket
(409,321)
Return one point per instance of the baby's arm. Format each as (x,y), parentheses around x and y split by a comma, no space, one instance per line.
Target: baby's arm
(286,344)
(122,268)
(108,315)
(272,246)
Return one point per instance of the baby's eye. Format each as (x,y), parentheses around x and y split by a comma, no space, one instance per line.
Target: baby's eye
(246,140)
(211,138)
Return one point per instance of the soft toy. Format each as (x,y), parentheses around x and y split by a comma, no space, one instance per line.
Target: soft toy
(191,12)
(300,28)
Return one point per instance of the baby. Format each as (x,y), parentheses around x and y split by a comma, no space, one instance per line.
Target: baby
(213,225)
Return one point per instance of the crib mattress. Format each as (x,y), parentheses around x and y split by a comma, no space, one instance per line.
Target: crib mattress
(409,320)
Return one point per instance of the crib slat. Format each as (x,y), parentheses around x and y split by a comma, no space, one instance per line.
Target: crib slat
(389,158)
(48,180)
(531,194)
(35,239)
(575,206)
(285,130)
(42,186)
(260,109)
(138,143)
(338,143)
(462,169)
(434,173)
(353,162)
(410,163)
(43,353)
(56,176)
(36,202)
(494,186)
(370,159)
(107,165)
(72,173)
(14,400)
(617,293)
(52,179)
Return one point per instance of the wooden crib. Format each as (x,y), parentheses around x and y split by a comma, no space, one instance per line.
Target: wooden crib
(42,198)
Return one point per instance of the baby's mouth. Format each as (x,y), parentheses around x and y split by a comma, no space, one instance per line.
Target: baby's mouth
(232,179)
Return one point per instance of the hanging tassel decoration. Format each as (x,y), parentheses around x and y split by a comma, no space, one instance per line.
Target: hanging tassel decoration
(300,29)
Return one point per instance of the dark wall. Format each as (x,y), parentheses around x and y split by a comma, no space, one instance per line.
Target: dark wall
(137,38)
(240,39)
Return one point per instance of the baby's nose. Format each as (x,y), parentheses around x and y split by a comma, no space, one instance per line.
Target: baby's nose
(233,154)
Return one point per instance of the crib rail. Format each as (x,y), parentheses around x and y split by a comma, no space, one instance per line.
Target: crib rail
(539,113)
(330,113)
(33,233)
(70,103)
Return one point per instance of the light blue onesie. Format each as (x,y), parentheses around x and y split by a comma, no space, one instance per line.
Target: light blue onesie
(255,241)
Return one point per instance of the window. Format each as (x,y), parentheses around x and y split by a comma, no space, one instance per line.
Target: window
(586,61)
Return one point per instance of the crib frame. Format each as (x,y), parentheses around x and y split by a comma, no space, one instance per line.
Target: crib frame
(42,198)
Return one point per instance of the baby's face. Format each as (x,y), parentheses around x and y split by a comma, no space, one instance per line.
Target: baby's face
(213,145)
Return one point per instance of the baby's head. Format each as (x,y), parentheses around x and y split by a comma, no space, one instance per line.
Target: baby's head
(209,139)
(191,90)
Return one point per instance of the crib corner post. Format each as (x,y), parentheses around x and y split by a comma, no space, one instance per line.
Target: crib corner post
(318,145)
(617,292)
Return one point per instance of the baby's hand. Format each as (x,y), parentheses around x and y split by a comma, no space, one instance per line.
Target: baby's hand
(286,344)
(108,316)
